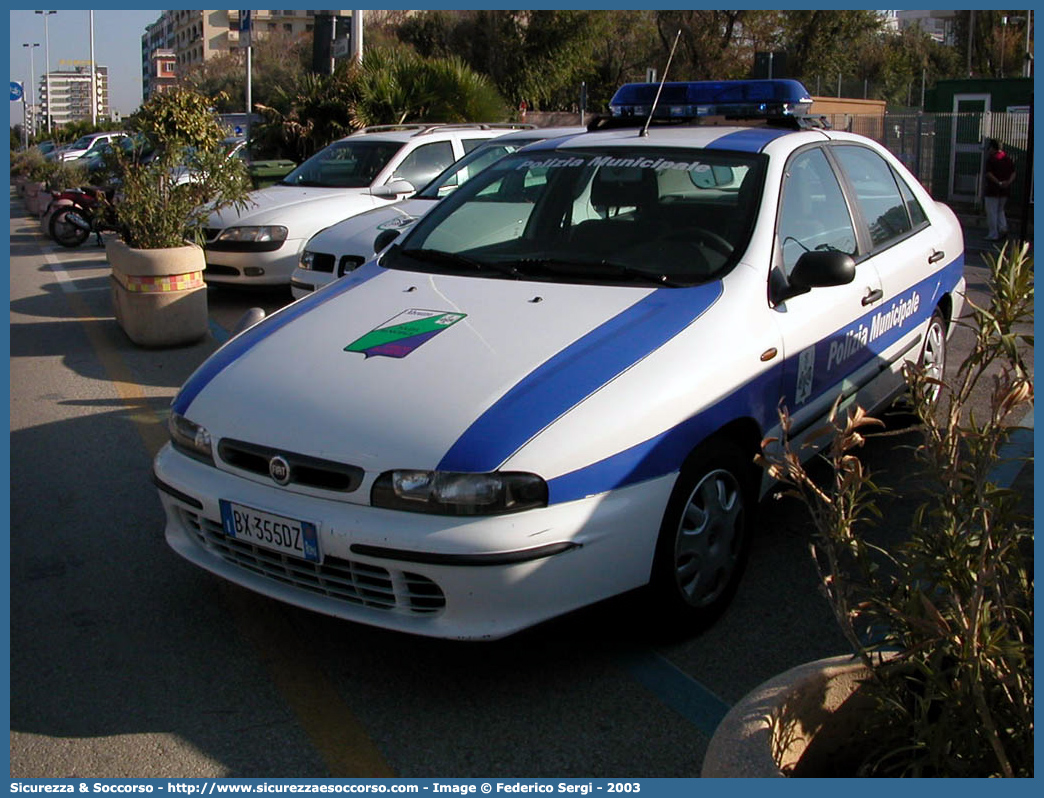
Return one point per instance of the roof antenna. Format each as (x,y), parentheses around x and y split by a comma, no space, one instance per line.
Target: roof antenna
(656,99)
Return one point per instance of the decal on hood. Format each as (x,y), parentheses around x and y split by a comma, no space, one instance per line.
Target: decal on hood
(401,335)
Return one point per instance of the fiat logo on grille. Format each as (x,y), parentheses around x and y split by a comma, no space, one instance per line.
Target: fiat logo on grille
(279,470)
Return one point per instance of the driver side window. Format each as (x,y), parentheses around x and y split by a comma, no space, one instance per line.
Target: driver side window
(813,213)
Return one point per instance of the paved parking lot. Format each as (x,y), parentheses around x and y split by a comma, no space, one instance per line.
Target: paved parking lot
(127,661)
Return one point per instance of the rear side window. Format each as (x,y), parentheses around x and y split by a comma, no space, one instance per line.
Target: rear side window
(422,165)
(917,215)
(877,193)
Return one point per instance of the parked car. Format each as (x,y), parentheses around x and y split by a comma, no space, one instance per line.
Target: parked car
(134,145)
(261,244)
(84,146)
(263,172)
(345,246)
(550,390)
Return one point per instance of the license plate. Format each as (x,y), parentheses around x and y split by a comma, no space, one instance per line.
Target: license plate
(269,531)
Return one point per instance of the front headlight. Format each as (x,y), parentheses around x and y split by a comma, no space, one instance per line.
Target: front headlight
(190,438)
(307,258)
(452,493)
(254,234)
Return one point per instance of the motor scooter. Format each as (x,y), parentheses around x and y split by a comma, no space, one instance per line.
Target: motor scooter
(75,213)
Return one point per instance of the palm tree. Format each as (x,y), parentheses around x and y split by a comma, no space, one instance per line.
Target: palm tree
(396,86)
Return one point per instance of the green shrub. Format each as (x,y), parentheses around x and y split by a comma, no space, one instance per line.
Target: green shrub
(156,208)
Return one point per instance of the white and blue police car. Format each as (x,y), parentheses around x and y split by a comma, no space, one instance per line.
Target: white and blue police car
(550,390)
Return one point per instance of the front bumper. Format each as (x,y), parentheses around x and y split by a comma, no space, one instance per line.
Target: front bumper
(462,578)
(253,268)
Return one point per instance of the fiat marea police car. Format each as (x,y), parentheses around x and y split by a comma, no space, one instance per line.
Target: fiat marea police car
(551,388)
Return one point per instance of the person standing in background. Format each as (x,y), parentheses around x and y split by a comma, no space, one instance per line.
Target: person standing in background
(1000,174)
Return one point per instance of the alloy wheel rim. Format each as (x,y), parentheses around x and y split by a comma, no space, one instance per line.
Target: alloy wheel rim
(708,539)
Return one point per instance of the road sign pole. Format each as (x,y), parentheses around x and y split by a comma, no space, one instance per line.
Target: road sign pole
(245,28)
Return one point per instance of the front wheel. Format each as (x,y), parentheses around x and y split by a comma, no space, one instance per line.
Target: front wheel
(65,232)
(702,547)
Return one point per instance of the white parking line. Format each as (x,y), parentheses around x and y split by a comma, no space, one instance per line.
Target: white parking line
(65,280)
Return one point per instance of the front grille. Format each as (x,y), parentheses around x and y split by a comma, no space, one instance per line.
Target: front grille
(311,472)
(322,262)
(336,578)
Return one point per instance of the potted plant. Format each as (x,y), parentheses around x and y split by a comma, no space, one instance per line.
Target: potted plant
(940,678)
(163,203)
(22,163)
(35,168)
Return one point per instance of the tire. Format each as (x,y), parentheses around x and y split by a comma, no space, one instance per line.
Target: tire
(933,353)
(704,538)
(65,233)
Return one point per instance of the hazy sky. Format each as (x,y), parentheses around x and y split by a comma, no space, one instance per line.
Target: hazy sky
(117,45)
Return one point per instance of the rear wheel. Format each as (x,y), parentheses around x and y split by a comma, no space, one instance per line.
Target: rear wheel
(933,354)
(702,548)
(65,232)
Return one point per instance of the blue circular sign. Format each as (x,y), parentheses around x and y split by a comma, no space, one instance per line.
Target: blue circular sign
(16,90)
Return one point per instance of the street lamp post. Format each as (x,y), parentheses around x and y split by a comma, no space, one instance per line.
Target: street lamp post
(32,91)
(47,66)
(94,90)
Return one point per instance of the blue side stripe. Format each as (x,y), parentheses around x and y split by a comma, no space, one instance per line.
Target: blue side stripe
(751,139)
(575,373)
(758,399)
(246,341)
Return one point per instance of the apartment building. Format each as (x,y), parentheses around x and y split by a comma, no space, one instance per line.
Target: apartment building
(65,94)
(180,40)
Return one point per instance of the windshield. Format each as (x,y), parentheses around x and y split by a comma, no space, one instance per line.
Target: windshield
(662,217)
(470,165)
(350,163)
(82,143)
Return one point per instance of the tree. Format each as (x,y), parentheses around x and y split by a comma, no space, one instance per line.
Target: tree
(709,46)
(826,42)
(628,45)
(307,116)
(395,86)
(538,56)
(391,86)
(278,63)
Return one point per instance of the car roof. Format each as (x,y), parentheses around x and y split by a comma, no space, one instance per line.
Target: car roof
(404,133)
(698,137)
(542,133)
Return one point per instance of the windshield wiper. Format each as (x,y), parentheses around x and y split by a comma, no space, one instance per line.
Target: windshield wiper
(455,259)
(580,267)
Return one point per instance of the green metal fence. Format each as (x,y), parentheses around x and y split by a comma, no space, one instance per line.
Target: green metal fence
(945,151)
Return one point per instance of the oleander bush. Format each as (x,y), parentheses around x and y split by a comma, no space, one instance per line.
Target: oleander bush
(954,603)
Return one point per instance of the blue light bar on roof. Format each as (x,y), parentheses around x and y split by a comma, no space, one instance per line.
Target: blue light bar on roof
(747,98)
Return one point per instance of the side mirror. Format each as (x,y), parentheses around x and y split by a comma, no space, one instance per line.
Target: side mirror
(816,269)
(393,189)
(384,238)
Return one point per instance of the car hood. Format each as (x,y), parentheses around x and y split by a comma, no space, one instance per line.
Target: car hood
(355,235)
(391,369)
(288,205)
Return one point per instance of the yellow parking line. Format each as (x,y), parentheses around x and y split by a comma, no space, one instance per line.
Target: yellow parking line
(339,738)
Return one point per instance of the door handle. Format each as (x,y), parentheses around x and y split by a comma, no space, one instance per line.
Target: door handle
(936,256)
(872,295)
